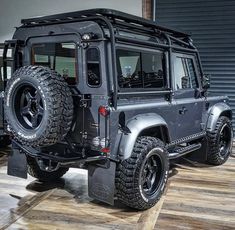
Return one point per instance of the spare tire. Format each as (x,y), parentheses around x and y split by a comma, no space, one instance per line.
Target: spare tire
(38,106)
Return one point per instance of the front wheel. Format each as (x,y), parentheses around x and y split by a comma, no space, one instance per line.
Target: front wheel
(141,179)
(220,142)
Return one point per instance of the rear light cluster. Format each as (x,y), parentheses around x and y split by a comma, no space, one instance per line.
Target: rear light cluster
(97,141)
(103,111)
(105,150)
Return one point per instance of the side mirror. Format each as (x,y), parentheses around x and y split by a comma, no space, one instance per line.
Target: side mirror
(206,81)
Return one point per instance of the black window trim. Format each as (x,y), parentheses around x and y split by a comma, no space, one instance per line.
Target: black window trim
(151,91)
(97,48)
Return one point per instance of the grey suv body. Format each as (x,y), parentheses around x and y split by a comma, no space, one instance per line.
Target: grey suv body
(112,93)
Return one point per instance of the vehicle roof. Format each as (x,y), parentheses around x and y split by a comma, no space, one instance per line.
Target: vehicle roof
(106,23)
(113,16)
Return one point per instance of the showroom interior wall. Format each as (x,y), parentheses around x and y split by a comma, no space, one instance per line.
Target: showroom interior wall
(11,11)
(212,25)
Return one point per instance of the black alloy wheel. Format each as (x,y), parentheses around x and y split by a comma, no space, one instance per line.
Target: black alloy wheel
(224,140)
(151,172)
(220,141)
(28,106)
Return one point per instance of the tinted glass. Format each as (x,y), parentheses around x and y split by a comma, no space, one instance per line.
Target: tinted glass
(192,73)
(184,73)
(152,70)
(129,69)
(58,56)
(140,70)
(93,67)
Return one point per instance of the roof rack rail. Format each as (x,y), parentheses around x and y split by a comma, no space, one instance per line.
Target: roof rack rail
(114,16)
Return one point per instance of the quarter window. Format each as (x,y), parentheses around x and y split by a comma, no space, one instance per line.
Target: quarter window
(140,70)
(93,67)
(58,56)
(184,73)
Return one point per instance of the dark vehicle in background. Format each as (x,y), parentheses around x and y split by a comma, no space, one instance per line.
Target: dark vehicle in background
(112,93)
(4,138)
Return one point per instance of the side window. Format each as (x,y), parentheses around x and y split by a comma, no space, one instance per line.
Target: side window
(185,75)
(140,70)
(152,70)
(58,56)
(93,67)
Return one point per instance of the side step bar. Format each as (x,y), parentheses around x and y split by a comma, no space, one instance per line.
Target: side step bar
(184,150)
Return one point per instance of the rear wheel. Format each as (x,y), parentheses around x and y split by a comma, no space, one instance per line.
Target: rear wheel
(141,179)
(44,176)
(220,142)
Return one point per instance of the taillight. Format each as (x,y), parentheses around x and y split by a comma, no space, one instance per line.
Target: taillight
(103,111)
(105,150)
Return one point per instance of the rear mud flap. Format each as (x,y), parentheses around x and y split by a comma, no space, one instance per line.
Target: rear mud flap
(17,164)
(101,182)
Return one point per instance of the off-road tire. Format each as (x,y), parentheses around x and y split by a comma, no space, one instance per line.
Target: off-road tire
(58,103)
(213,156)
(43,176)
(129,170)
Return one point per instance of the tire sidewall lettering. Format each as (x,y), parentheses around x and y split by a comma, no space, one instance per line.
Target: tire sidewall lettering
(9,93)
(27,136)
(49,130)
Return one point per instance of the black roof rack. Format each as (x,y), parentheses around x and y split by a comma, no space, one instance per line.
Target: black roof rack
(113,15)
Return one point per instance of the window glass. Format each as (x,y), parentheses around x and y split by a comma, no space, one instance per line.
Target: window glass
(58,56)
(9,65)
(93,67)
(192,73)
(185,75)
(140,70)
(129,69)
(152,69)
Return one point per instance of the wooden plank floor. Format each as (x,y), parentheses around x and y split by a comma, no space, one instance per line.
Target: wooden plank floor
(197,197)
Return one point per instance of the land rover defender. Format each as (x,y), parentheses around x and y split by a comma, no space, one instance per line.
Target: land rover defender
(112,93)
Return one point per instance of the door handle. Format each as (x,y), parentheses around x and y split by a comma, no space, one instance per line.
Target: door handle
(183,110)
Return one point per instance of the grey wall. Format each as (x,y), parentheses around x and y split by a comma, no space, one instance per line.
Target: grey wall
(11,11)
(212,25)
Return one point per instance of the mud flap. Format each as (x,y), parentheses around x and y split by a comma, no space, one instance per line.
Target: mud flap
(101,182)
(17,164)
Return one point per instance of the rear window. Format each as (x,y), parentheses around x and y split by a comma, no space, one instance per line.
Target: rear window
(57,56)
